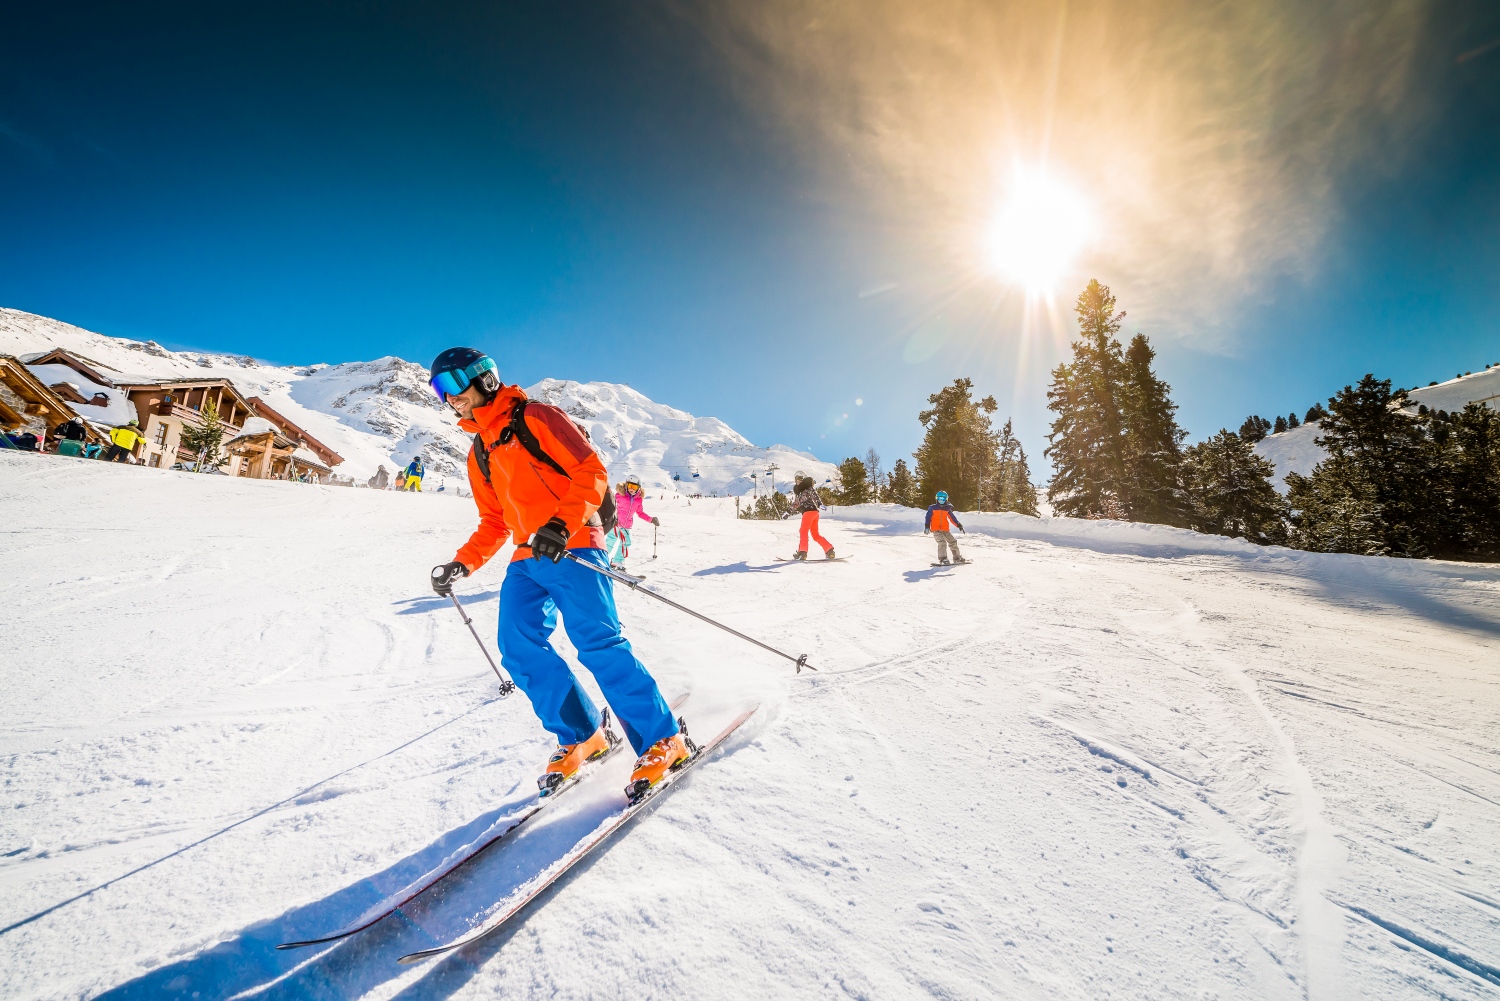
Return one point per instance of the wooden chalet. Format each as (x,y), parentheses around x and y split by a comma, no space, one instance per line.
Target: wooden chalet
(261,443)
(265,452)
(27,404)
(326,456)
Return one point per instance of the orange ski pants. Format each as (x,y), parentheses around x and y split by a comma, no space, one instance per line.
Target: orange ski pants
(810,527)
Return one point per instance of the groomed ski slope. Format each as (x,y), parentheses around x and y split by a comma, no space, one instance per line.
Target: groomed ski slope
(1103,761)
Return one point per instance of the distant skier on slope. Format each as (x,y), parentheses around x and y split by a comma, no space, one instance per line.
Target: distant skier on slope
(414,474)
(536,479)
(939,516)
(629,502)
(807,501)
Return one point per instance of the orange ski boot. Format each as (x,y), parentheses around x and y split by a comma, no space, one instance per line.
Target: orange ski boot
(659,759)
(568,758)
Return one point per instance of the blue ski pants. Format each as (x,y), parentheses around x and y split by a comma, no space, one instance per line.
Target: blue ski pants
(533,594)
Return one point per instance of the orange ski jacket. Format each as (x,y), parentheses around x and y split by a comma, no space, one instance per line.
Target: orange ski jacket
(524,494)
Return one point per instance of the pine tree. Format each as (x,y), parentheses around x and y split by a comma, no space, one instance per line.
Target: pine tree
(1333,511)
(1292,421)
(1153,442)
(1475,474)
(1231,490)
(957,453)
(1011,488)
(877,478)
(1386,486)
(205,438)
(854,482)
(1314,414)
(1087,441)
(1280,426)
(900,486)
(1254,429)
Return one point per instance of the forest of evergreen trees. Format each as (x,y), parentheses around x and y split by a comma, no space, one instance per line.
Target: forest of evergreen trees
(1397,480)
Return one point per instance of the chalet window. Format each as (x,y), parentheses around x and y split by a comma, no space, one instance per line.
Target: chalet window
(154,460)
(161,433)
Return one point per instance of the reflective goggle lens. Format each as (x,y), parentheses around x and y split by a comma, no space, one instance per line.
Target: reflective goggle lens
(451,383)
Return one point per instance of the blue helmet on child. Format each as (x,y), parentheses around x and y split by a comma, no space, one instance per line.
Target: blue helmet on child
(942,496)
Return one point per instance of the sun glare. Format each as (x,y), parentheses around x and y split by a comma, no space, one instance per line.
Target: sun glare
(1039,231)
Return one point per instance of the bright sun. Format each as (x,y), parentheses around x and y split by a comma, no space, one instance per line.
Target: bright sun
(1040,230)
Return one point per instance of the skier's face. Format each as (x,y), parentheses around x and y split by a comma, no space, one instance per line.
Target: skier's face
(463,404)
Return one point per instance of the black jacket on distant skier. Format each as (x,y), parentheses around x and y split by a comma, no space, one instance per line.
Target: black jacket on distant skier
(806,498)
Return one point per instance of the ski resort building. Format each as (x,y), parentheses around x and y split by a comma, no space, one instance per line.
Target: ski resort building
(264,451)
(27,404)
(266,445)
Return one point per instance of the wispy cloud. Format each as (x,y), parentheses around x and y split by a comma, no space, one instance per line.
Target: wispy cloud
(1210,135)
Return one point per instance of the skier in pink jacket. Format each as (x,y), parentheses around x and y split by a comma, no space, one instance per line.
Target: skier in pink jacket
(629,502)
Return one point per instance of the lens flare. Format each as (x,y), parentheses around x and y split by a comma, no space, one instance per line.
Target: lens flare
(1039,231)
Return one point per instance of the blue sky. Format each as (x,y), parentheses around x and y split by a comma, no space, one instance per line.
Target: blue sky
(744,224)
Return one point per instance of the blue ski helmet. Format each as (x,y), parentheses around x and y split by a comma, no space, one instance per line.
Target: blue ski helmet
(456,369)
(942,496)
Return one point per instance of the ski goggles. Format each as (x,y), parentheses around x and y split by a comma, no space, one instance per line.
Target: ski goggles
(456,380)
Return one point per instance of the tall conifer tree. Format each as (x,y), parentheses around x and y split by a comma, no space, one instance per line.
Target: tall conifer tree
(1087,441)
(958,451)
(1153,442)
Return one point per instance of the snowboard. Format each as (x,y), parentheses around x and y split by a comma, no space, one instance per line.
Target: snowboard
(953,563)
(583,849)
(788,559)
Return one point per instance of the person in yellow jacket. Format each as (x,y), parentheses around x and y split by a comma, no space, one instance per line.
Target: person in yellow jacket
(122,441)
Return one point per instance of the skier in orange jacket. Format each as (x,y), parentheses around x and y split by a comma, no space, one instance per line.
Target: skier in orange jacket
(547,499)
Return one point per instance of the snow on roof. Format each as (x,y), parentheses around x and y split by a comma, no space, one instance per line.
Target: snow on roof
(119,410)
(307,457)
(256,425)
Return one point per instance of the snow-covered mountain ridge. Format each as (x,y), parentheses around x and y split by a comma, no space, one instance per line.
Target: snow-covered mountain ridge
(382,412)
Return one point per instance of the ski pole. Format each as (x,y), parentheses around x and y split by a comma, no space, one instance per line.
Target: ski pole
(506,685)
(635,585)
(653,539)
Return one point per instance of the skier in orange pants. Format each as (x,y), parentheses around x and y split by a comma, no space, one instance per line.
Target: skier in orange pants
(806,500)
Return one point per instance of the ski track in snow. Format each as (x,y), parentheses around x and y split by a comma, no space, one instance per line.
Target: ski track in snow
(1101,761)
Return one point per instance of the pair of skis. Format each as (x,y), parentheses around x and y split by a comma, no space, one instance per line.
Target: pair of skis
(501,830)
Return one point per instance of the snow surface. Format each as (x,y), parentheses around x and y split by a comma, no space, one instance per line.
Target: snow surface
(382,412)
(1102,761)
(1294,451)
(1297,451)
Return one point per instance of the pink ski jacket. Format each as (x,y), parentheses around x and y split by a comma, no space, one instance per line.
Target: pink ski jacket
(628,505)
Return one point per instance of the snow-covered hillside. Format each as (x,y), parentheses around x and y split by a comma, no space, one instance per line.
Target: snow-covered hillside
(1296,451)
(1102,761)
(382,412)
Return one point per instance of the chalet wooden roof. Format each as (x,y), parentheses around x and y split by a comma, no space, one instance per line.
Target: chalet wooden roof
(263,409)
(40,399)
(83,366)
(185,384)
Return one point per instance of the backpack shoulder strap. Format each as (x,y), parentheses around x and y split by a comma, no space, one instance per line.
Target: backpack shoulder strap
(482,457)
(528,440)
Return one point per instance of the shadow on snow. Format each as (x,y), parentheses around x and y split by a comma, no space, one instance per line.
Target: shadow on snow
(250,964)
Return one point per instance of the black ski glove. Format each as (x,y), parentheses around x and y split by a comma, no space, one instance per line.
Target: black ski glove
(444,576)
(550,541)
(655,521)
